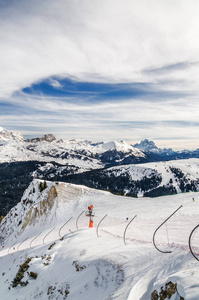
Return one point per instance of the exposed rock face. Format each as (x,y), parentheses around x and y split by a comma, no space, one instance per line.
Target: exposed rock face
(66,192)
(47,137)
(146,145)
(40,206)
(43,208)
(166,292)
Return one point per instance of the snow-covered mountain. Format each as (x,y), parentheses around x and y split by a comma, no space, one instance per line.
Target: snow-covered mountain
(85,162)
(149,179)
(160,178)
(84,154)
(136,180)
(23,160)
(146,145)
(10,135)
(95,262)
(100,262)
(150,147)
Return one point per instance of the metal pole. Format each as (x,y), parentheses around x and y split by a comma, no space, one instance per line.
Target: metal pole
(190,243)
(99,224)
(64,225)
(48,234)
(34,238)
(127,227)
(79,217)
(11,247)
(159,228)
(21,244)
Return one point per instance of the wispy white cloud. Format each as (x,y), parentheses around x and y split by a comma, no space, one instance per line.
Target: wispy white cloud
(140,110)
(55,83)
(131,119)
(110,41)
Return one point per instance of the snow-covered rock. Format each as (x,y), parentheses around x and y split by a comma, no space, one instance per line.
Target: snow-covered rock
(146,145)
(6,135)
(150,147)
(120,146)
(40,205)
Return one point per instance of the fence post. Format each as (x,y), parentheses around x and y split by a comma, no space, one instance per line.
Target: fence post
(48,234)
(63,226)
(159,228)
(78,218)
(99,224)
(34,238)
(127,227)
(21,243)
(190,243)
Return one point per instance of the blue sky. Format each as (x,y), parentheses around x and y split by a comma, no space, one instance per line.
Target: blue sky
(108,70)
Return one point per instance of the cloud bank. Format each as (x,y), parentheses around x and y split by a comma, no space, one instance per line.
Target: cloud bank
(150,43)
(103,41)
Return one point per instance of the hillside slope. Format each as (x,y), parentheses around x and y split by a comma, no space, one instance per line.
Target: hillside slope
(83,265)
(150,179)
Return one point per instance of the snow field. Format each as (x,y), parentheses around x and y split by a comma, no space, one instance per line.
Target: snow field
(110,269)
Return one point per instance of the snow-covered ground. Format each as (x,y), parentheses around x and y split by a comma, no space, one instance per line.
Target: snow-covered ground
(189,169)
(90,263)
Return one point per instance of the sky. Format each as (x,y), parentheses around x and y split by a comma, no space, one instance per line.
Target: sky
(101,70)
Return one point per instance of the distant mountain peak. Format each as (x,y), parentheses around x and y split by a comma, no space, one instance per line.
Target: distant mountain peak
(6,135)
(47,137)
(146,145)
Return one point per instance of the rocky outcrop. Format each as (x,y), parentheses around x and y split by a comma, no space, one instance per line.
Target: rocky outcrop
(146,145)
(166,292)
(43,208)
(47,138)
(40,206)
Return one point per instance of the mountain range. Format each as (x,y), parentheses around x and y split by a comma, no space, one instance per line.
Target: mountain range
(133,170)
(13,147)
(47,249)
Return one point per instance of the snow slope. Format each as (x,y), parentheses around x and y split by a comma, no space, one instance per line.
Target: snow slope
(188,170)
(86,266)
(119,146)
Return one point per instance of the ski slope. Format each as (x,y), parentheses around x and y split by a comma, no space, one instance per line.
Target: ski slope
(108,268)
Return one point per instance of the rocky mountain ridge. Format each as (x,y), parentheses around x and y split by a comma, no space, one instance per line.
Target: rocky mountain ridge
(6,135)
(146,145)
(86,155)
(47,137)
(103,165)
(83,154)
